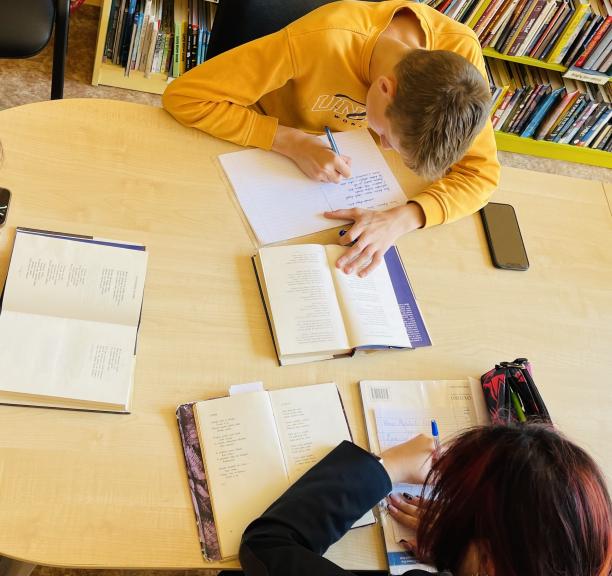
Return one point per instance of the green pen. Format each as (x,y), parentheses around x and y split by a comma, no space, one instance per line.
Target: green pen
(517,406)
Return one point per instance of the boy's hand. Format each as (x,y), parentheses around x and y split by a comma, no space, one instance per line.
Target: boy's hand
(410,461)
(313,156)
(374,233)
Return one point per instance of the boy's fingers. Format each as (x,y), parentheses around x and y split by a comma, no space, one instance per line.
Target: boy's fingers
(344,214)
(347,159)
(342,167)
(404,519)
(374,263)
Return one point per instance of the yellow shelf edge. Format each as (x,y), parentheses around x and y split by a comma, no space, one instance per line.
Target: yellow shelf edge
(523,60)
(113,75)
(554,150)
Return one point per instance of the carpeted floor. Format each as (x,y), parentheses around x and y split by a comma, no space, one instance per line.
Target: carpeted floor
(24,81)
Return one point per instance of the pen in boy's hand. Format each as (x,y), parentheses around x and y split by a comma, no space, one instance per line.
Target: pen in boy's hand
(332,142)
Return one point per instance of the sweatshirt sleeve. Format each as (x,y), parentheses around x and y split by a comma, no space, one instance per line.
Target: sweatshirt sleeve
(312,514)
(470,182)
(215,96)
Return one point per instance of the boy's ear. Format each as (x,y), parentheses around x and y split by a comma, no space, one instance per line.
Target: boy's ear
(388,86)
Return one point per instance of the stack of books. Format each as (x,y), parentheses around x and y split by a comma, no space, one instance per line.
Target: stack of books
(541,104)
(158,36)
(564,32)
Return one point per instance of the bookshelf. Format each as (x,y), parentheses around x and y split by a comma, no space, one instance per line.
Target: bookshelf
(113,74)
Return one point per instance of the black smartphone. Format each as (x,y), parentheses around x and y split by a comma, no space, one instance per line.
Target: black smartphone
(504,237)
(5,200)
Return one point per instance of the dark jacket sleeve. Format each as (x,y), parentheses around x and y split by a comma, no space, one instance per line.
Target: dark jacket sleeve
(290,536)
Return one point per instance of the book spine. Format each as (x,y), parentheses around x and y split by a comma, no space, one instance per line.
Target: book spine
(593,117)
(603,47)
(110,32)
(555,36)
(517,27)
(529,21)
(599,123)
(553,115)
(487,16)
(563,47)
(594,40)
(520,127)
(478,12)
(538,28)
(565,120)
(514,108)
(521,108)
(578,123)
(502,108)
(571,31)
(544,34)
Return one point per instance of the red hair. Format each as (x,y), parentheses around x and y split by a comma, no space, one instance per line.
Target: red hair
(536,502)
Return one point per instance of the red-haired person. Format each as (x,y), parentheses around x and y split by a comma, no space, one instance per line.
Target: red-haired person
(414,76)
(506,501)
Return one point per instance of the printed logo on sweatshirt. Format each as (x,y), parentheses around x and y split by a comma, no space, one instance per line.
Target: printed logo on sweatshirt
(345,108)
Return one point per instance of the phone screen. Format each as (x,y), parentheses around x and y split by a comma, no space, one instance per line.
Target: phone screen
(504,237)
(5,197)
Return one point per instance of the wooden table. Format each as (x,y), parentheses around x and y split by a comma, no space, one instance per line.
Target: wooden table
(103,490)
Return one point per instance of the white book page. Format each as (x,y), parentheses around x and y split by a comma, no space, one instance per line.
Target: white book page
(243,459)
(303,303)
(369,306)
(281,202)
(64,358)
(310,421)
(71,279)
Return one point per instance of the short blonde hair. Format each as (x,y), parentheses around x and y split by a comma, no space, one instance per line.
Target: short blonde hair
(442,102)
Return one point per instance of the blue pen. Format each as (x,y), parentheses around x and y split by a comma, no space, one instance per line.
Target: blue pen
(332,142)
(436,437)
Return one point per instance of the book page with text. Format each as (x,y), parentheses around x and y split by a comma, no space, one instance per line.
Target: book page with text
(281,202)
(310,422)
(243,459)
(369,306)
(67,278)
(303,303)
(62,358)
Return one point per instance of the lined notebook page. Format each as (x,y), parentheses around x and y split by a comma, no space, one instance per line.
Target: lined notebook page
(280,202)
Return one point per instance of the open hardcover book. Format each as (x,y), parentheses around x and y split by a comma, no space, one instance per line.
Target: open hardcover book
(243,451)
(69,322)
(397,410)
(317,312)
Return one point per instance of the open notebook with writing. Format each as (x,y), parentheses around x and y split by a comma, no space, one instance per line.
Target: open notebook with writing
(397,410)
(243,451)
(281,202)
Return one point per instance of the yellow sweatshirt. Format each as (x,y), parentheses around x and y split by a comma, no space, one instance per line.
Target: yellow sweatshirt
(315,72)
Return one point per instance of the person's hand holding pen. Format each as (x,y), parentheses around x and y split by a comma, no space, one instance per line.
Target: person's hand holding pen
(312,155)
(409,462)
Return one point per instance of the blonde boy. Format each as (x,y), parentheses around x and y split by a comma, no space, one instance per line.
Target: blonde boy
(409,73)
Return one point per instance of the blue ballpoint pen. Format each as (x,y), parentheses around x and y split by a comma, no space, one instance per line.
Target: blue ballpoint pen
(332,142)
(436,437)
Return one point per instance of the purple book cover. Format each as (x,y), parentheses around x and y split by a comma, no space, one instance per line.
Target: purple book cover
(198,486)
(413,321)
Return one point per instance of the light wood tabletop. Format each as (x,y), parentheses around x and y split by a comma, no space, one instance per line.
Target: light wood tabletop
(104,490)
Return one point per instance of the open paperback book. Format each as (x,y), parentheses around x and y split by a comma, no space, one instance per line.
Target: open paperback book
(397,410)
(281,202)
(317,312)
(69,322)
(244,450)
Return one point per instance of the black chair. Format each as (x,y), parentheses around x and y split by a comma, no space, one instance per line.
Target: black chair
(26,27)
(240,21)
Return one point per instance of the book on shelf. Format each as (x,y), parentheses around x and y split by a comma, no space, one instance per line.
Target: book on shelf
(317,312)
(394,412)
(89,291)
(166,37)
(544,105)
(244,450)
